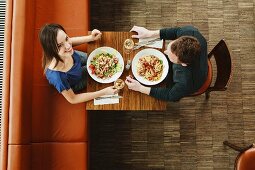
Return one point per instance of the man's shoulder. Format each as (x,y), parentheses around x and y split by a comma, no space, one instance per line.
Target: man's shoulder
(189,27)
(182,72)
(192,31)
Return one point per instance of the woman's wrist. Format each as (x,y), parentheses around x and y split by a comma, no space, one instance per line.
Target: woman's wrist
(90,38)
(101,92)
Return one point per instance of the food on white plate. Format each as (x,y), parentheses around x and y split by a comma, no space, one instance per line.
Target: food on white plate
(104,65)
(150,67)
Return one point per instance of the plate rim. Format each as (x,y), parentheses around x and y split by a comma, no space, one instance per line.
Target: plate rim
(121,60)
(146,82)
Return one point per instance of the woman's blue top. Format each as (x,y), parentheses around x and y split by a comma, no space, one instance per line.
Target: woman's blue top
(66,80)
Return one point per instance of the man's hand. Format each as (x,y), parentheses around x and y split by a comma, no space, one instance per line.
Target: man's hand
(132,84)
(144,33)
(136,86)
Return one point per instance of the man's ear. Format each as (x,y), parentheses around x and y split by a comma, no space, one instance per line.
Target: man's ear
(183,64)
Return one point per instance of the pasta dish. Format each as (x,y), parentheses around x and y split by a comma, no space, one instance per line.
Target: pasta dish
(150,67)
(104,65)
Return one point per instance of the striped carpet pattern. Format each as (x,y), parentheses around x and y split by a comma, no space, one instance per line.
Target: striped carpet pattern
(189,134)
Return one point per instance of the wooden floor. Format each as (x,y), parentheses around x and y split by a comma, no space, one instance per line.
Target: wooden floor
(189,135)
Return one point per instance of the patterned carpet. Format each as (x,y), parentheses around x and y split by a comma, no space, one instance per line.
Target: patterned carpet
(189,135)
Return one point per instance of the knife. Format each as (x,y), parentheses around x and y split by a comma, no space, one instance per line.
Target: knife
(109,97)
(144,43)
(136,47)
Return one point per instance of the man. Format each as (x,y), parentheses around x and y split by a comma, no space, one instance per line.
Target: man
(188,67)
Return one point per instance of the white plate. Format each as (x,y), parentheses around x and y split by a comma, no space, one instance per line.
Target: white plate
(110,51)
(146,52)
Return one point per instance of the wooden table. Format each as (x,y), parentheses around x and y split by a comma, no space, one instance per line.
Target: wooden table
(131,100)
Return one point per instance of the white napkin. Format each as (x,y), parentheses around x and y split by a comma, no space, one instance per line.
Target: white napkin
(156,44)
(107,100)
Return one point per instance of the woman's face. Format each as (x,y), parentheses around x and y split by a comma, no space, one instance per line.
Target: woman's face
(64,44)
(173,58)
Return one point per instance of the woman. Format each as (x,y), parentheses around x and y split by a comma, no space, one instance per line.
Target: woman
(64,67)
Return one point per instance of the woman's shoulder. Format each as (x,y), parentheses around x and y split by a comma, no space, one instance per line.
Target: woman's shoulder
(75,55)
(54,74)
(56,77)
(51,73)
(51,65)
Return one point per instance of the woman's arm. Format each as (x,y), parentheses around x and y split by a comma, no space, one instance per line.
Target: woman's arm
(95,35)
(81,40)
(83,97)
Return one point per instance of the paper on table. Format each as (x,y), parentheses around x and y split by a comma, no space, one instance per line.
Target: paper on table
(107,100)
(156,44)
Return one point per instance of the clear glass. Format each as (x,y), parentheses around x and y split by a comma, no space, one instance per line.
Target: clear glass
(119,84)
(128,45)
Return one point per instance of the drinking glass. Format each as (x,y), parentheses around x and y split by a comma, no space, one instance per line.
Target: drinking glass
(128,45)
(119,84)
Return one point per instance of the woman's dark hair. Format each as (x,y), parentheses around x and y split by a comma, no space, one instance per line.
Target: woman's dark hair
(48,40)
(186,48)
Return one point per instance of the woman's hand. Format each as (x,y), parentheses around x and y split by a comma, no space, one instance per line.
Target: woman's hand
(95,35)
(144,33)
(109,90)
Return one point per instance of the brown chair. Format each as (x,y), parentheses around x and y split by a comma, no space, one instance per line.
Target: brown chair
(224,70)
(245,160)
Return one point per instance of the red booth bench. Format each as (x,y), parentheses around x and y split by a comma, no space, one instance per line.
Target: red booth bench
(40,129)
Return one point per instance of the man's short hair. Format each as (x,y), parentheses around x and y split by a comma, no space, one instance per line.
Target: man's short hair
(186,48)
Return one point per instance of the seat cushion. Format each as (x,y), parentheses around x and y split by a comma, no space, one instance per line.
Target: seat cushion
(19,157)
(246,160)
(55,119)
(59,156)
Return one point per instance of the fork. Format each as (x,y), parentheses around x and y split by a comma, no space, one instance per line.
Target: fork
(141,44)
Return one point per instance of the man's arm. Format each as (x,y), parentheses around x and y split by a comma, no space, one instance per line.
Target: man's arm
(175,93)
(174,33)
(165,33)
(169,33)
(183,85)
(144,33)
